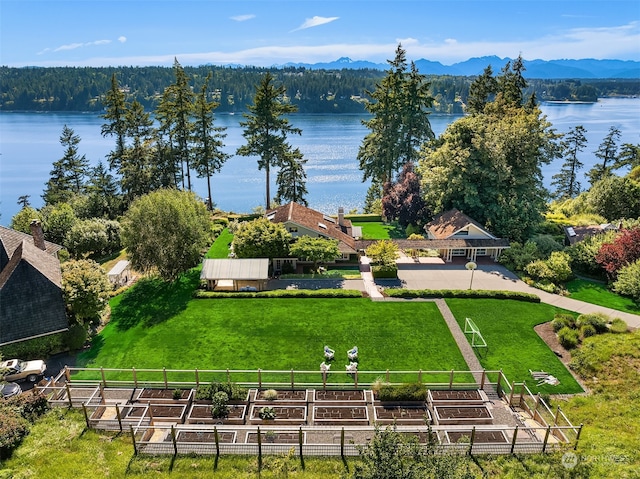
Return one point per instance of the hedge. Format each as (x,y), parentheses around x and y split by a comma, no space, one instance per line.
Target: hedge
(461,293)
(281,293)
(16,415)
(403,392)
(36,348)
(384,272)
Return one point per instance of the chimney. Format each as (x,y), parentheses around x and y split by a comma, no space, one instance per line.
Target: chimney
(38,234)
(341,216)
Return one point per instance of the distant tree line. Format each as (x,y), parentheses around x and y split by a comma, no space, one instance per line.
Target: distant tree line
(311,91)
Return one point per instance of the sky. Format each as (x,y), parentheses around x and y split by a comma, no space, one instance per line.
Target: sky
(266,33)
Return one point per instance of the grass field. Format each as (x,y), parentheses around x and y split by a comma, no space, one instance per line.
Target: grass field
(220,247)
(597,293)
(513,345)
(379,231)
(177,332)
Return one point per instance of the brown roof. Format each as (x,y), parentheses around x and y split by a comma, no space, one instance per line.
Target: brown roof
(12,238)
(576,234)
(312,220)
(453,243)
(446,224)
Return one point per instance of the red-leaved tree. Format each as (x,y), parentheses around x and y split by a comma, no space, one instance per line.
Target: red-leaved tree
(402,201)
(624,250)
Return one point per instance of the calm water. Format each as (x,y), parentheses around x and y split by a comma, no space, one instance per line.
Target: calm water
(29,144)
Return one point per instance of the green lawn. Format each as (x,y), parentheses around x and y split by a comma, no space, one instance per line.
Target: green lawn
(597,293)
(379,231)
(174,331)
(220,247)
(513,345)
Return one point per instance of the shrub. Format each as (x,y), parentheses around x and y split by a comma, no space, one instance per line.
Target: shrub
(30,406)
(76,336)
(267,412)
(563,320)
(12,429)
(35,348)
(597,320)
(618,326)
(220,407)
(282,293)
(628,282)
(462,293)
(384,271)
(403,392)
(518,256)
(568,338)
(587,330)
(270,394)
(233,391)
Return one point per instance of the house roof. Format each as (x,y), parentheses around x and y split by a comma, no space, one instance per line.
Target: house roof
(235,269)
(448,223)
(11,239)
(452,243)
(322,224)
(575,234)
(31,302)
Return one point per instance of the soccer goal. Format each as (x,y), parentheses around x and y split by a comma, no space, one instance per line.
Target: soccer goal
(477,340)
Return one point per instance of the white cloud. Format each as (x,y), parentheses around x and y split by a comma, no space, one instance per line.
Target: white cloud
(315,22)
(122,39)
(243,18)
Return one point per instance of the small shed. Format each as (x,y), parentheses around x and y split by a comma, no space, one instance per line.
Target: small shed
(235,274)
(120,273)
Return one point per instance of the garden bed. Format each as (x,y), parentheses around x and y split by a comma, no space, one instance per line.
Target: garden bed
(285,415)
(444,415)
(340,415)
(480,437)
(284,395)
(204,436)
(158,412)
(456,397)
(402,415)
(201,414)
(338,397)
(423,436)
(275,437)
(163,396)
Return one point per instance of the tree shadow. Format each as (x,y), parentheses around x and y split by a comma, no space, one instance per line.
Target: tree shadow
(151,301)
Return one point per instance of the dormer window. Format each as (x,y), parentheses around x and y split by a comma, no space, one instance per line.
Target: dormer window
(462,233)
(322,225)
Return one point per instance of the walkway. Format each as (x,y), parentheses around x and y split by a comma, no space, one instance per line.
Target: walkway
(370,285)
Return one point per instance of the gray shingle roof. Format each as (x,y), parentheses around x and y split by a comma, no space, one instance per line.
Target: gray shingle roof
(236,269)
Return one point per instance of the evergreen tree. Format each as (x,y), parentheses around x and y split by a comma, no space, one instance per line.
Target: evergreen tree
(481,91)
(607,152)
(208,154)
(24,201)
(116,109)
(291,179)
(511,82)
(566,183)
(266,130)
(104,200)
(69,173)
(136,167)
(629,156)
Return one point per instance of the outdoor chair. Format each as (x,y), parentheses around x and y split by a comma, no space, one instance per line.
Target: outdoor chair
(324,367)
(353,353)
(552,380)
(352,367)
(328,353)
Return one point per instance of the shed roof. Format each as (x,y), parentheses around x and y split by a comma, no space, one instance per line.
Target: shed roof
(236,269)
(119,267)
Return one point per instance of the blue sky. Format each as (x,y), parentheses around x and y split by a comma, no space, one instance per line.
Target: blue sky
(263,33)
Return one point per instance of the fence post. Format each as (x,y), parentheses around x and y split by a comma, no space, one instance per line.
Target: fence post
(473,438)
(511,394)
(342,443)
(521,394)
(513,442)
(575,448)
(420,376)
(197,378)
(451,380)
(546,438)
(86,415)
(387,376)
(259,450)
(104,381)
(355,378)
(555,419)
(259,378)
(217,438)
(228,376)
(292,383)
(119,416)
(67,374)
(135,377)
(482,379)
(300,442)
(498,387)
(535,408)
(164,375)
(324,379)
(133,439)
(66,385)
(173,439)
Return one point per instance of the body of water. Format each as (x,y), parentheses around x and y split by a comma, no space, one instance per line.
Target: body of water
(30,143)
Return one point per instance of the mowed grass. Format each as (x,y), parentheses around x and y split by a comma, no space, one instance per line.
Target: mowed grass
(379,231)
(597,293)
(220,247)
(513,344)
(156,326)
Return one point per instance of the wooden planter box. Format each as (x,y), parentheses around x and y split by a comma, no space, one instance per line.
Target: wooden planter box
(337,415)
(158,413)
(401,415)
(285,415)
(163,396)
(337,397)
(444,415)
(285,396)
(278,437)
(481,437)
(456,397)
(201,414)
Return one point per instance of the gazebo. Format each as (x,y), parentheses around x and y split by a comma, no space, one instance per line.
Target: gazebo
(235,274)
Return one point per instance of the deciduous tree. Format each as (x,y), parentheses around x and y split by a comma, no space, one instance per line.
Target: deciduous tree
(624,250)
(615,198)
(402,200)
(318,250)
(628,282)
(261,238)
(383,252)
(86,289)
(165,232)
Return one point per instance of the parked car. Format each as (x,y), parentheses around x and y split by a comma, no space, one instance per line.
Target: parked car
(9,389)
(18,370)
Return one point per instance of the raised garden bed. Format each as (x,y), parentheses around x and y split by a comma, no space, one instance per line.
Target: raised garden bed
(456,397)
(290,415)
(158,412)
(275,437)
(402,415)
(204,436)
(480,437)
(201,414)
(423,436)
(284,395)
(444,415)
(340,415)
(338,397)
(163,396)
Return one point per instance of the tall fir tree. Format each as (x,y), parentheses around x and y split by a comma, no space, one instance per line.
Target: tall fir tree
(116,109)
(292,179)
(266,129)
(566,182)
(68,176)
(607,152)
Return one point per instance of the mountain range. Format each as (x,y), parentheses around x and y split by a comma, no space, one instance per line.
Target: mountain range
(543,69)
